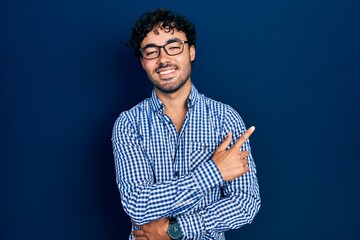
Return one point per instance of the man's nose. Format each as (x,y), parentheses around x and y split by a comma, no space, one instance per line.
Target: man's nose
(163,56)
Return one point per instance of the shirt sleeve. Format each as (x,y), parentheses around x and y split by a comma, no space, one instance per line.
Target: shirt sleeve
(143,199)
(240,202)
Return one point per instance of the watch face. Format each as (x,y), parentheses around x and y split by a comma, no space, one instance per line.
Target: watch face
(174,231)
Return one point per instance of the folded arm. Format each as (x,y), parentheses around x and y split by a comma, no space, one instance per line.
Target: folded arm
(145,200)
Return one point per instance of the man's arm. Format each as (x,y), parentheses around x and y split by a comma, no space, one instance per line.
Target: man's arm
(239,205)
(241,199)
(143,199)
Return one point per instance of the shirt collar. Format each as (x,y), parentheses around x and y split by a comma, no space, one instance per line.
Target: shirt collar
(194,94)
(157,105)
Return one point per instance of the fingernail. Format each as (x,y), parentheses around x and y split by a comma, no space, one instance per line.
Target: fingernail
(252,127)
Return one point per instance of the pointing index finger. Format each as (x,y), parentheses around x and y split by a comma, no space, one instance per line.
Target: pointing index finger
(244,137)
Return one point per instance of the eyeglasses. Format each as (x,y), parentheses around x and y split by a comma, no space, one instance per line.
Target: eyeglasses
(172,48)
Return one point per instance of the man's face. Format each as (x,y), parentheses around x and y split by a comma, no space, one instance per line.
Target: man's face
(168,73)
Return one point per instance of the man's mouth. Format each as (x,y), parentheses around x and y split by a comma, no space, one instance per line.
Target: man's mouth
(164,72)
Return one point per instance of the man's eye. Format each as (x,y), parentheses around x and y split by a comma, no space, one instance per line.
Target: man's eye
(150,53)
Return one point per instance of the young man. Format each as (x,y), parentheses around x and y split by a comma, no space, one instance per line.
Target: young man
(183,162)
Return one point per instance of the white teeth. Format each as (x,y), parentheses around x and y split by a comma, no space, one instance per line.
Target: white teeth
(167,71)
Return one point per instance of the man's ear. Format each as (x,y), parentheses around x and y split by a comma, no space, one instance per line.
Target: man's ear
(192,53)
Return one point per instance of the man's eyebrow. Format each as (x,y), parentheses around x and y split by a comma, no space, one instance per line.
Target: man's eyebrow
(149,45)
(173,40)
(168,41)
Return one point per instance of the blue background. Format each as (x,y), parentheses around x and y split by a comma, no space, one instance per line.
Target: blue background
(291,68)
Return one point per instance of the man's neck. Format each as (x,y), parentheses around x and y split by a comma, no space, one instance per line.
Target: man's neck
(176,104)
(176,101)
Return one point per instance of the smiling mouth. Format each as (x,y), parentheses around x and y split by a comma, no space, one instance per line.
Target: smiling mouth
(164,72)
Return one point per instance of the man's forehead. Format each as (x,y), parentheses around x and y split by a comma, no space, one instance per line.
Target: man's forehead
(160,36)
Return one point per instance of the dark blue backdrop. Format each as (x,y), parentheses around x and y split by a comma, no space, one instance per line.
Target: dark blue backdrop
(291,68)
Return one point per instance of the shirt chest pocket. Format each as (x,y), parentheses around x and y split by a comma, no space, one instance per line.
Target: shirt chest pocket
(201,152)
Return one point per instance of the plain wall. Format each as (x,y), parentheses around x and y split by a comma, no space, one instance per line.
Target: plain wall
(291,68)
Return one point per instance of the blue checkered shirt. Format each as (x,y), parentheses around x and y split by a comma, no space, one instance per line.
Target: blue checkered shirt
(162,173)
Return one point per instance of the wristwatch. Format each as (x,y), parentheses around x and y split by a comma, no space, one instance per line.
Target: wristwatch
(174,230)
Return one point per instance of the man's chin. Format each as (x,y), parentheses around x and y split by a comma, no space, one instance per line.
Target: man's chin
(168,90)
(171,87)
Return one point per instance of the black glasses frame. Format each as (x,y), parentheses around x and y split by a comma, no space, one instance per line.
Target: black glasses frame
(163,47)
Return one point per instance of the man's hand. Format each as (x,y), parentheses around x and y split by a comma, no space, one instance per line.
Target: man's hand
(155,230)
(232,163)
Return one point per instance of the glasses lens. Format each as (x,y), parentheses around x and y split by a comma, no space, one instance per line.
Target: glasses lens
(174,48)
(151,52)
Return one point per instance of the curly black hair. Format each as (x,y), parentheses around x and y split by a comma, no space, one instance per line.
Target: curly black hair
(163,19)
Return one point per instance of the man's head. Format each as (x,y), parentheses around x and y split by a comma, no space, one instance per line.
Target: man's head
(160,19)
(165,44)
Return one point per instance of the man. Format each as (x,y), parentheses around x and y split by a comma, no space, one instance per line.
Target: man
(183,162)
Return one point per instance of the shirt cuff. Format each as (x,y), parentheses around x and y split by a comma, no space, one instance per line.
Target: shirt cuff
(191,226)
(208,176)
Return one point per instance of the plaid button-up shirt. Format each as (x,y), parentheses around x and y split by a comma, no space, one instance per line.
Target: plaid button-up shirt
(163,173)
